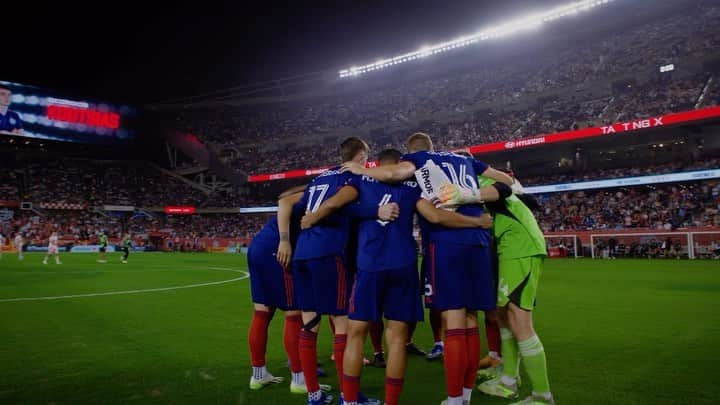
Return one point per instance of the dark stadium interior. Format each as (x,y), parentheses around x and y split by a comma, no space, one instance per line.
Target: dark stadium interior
(171,130)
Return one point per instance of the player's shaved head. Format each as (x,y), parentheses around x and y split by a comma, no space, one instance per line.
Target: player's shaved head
(351,147)
(419,142)
(389,157)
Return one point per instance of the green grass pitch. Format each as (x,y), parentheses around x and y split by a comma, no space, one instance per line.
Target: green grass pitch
(616,332)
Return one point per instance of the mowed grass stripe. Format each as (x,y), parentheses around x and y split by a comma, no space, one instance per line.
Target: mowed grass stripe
(616,332)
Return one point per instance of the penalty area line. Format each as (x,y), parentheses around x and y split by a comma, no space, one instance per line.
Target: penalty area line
(245,275)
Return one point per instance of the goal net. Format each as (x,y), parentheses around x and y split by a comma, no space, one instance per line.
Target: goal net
(706,245)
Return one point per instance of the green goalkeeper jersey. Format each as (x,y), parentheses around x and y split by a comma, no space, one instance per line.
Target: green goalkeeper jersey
(515,229)
(126,242)
(103,240)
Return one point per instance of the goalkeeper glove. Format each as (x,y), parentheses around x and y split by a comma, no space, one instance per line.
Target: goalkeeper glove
(453,195)
(517,188)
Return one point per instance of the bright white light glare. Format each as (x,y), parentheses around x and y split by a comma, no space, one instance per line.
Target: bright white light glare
(508,28)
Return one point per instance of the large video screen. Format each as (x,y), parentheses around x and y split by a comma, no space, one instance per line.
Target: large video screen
(33,112)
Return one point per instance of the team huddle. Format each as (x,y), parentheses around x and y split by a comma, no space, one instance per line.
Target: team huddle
(344,247)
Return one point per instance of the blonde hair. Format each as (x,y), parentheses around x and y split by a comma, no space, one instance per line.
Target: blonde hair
(419,141)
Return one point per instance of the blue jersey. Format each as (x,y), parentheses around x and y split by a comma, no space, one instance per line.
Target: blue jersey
(10,121)
(385,245)
(463,172)
(328,237)
(270,233)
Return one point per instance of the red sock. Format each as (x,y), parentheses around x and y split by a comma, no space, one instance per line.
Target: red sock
(339,352)
(393,388)
(455,361)
(411,331)
(472,340)
(436,324)
(351,388)
(376,332)
(258,337)
(308,359)
(492,332)
(293,324)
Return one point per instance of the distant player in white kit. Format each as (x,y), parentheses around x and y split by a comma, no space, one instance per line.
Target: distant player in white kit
(53,249)
(2,244)
(19,245)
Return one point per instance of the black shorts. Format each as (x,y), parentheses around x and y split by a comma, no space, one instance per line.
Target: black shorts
(102,249)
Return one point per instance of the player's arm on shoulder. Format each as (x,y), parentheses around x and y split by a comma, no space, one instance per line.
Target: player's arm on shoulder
(285,209)
(451,219)
(385,212)
(387,174)
(293,190)
(498,176)
(452,195)
(344,196)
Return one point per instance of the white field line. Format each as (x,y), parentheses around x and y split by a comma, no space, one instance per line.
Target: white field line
(244,276)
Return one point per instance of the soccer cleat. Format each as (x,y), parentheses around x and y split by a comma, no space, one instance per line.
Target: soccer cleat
(536,400)
(489,373)
(362,400)
(102,261)
(436,352)
(489,362)
(265,381)
(497,388)
(325,398)
(44,262)
(379,360)
(412,348)
(302,388)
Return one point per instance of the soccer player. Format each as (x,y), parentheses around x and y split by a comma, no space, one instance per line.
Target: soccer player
(53,249)
(2,244)
(10,121)
(19,242)
(126,245)
(387,282)
(320,277)
(489,366)
(271,288)
(521,252)
(103,241)
(460,274)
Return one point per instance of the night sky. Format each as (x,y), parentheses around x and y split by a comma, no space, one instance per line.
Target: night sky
(138,52)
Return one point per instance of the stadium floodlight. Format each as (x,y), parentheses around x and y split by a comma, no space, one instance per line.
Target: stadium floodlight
(508,28)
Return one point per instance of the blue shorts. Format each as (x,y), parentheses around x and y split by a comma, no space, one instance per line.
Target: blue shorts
(425,277)
(394,293)
(269,284)
(460,276)
(322,285)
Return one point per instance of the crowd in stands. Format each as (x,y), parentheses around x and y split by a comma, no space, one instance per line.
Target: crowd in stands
(88,183)
(500,86)
(660,207)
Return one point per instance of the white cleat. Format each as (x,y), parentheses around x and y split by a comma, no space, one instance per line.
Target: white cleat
(302,388)
(267,380)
